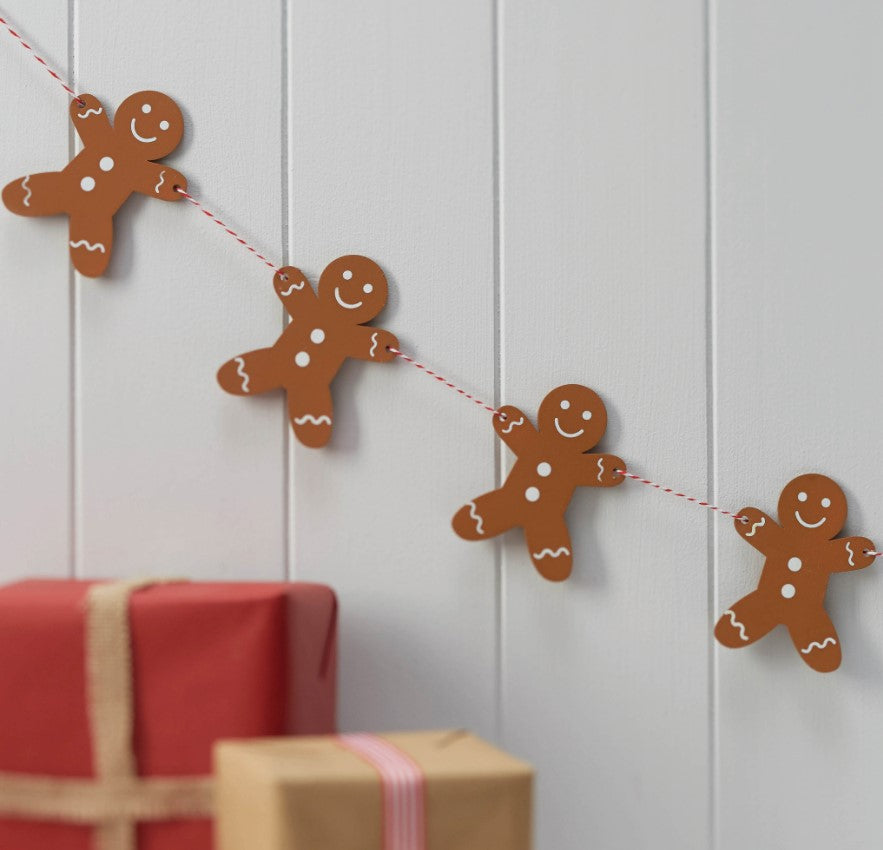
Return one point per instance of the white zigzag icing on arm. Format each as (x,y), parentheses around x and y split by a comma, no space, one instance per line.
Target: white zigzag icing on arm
(737,624)
(816,645)
(313,420)
(479,522)
(89,246)
(373,344)
(512,424)
(293,287)
(89,112)
(851,554)
(600,467)
(162,180)
(240,370)
(759,524)
(24,185)
(548,553)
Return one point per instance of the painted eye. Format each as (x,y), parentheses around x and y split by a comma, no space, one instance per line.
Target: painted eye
(146,108)
(565,405)
(826,502)
(587,415)
(163,125)
(801,497)
(347,275)
(367,289)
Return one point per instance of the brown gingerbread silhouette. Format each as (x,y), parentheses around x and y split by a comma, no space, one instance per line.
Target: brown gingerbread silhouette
(551,463)
(116,161)
(326,328)
(801,550)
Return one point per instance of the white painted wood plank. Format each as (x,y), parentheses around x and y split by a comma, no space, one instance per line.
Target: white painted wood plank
(605,676)
(176,475)
(35,304)
(391,156)
(798,177)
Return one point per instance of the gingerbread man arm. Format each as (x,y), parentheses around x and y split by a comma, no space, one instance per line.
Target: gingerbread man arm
(158,181)
(294,290)
(600,471)
(759,530)
(90,120)
(514,429)
(367,343)
(850,553)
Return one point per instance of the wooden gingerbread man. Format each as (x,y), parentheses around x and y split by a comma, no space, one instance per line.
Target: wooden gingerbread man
(326,328)
(801,551)
(551,463)
(116,160)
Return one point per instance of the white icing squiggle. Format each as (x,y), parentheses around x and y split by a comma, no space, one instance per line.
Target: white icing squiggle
(162,180)
(737,624)
(293,287)
(548,553)
(240,370)
(373,344)
(600,468)
(88,245)
(89,112)
(24,185)
(313,420)
(479,522)
(851,554)
(512,424)
(816,645)
(759,524)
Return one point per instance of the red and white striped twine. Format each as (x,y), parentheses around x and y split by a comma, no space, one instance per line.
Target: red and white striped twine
(41,60)
(671,491)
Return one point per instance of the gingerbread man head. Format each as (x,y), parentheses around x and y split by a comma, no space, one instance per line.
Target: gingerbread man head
(355,286)
(151,124)
(814,505)
(574,415)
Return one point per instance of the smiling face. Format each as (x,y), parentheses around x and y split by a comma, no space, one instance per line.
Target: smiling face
(814,504)
(354,286)
(575,415)
(149,122)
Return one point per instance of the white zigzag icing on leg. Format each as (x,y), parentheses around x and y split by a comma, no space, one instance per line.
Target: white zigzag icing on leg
(512,424)
(313,420)
(88,245)
(816,645)
(736,624)
(24,185)
(162,180)
(548,553)
(851,554)
(240,370)
(759,524)
(479,522)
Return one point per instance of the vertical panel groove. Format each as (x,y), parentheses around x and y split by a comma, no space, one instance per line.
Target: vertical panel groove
(75,567)
(288,479)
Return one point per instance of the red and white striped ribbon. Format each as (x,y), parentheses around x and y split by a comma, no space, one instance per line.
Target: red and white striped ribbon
(403,787)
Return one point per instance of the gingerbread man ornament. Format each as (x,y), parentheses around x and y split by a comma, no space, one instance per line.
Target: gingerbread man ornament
(551,463)
(326,328)
(116,160)
(801,551)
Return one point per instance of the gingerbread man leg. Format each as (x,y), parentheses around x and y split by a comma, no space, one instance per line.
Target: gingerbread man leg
(91,241)
(816,641)
(486,516)
(250,374)
(311,412)
(34,194)
(750,619)
(550,548)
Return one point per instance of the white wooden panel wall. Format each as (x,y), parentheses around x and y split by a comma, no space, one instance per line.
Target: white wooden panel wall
(676,205)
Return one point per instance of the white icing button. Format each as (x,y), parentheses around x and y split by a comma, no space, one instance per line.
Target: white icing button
(106,163)
(302,358)
(531,494)
(87,184)
(794,564)
(347,275)
(544,469)
(163,125)
(317,335)
(788,591)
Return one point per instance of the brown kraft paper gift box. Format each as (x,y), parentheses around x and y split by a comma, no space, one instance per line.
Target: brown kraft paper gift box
(314,793)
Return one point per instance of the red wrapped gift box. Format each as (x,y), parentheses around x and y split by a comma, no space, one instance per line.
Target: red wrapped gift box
(207,661)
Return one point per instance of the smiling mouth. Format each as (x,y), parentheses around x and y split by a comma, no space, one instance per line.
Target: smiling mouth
(345,304)
(141,138)
(568,434)
(806,524)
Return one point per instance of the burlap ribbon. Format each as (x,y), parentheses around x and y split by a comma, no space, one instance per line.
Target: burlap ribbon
(117,798)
